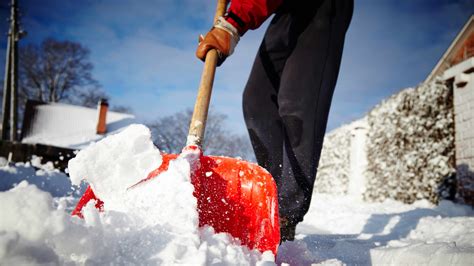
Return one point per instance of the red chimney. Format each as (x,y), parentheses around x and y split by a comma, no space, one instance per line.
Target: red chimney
(102,120)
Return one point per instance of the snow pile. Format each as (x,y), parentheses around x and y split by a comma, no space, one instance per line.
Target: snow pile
(30,220)
(35,232)
(44,176)
(411,145)
(153,223)
(334,164)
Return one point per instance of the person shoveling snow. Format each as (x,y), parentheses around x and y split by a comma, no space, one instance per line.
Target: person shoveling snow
(233,196)
(286,135)
(288,94)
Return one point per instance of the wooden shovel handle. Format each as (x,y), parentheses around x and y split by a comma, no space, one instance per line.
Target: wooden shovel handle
(201,107)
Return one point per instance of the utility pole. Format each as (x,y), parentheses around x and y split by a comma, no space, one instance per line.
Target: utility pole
(10,89)
(6,91)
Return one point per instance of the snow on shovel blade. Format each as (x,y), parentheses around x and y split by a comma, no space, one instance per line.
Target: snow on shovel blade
(233,196)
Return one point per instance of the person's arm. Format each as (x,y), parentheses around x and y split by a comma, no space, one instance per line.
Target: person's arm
(250,14)
(241,16)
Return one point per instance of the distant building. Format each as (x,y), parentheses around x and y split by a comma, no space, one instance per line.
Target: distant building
(55,131)
(70,126)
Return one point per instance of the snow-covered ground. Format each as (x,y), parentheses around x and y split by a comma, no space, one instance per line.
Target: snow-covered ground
(157,223)
(44,176)
(353,232)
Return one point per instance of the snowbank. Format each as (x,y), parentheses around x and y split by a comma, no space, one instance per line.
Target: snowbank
(36,232)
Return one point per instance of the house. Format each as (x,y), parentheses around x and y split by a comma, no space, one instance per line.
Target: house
(55,131)
(456,67)
(70,126)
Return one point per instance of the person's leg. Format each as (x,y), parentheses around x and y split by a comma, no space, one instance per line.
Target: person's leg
(304,97)
(260,102)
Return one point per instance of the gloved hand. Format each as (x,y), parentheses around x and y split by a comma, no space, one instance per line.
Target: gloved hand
(223,37)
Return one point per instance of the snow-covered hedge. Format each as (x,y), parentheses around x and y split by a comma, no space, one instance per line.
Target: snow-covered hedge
(410,145)
(333,171)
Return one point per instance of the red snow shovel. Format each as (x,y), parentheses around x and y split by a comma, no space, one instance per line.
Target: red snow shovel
(233,196)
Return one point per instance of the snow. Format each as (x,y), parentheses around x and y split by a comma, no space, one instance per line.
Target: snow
(70,126)
(352,231)
(157,222)
(44,176)
(116,163)
(35,232)
(192,140)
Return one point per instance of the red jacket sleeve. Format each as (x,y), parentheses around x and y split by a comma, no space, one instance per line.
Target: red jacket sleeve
(250,14)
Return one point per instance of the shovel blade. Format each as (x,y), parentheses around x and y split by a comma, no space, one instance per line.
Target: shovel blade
(233,196)
(239,198)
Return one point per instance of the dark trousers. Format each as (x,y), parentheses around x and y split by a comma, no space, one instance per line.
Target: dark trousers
(288,95)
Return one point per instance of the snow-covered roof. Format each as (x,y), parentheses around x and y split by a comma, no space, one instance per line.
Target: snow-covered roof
(69,126)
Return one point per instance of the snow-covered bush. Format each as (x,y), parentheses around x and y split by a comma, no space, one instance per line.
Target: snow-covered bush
(410,145)
(333,170)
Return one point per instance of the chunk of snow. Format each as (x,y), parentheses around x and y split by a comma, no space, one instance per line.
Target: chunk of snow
(115,163)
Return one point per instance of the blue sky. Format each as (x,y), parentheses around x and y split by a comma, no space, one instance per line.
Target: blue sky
(143,51)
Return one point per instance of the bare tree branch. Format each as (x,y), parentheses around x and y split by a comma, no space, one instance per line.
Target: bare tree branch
(56,71)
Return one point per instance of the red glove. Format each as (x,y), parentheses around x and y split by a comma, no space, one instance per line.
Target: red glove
(223,37)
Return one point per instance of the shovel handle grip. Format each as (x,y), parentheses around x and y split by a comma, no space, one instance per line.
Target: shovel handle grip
(201,107)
